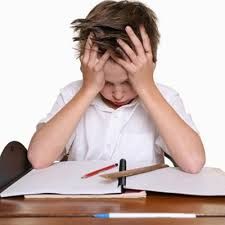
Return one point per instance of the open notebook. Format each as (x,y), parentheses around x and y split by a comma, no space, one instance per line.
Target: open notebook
(64,178)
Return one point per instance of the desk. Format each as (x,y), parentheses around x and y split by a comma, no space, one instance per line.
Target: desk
(63,211)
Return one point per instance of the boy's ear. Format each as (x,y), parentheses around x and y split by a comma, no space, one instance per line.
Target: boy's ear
(154,65)
(80,58)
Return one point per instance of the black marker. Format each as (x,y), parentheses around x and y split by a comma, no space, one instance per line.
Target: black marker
(122,180)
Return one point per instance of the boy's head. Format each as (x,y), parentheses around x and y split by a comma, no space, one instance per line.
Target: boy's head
(107,22)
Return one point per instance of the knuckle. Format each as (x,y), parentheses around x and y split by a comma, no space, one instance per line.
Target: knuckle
(84,62)
(90,66)
(139,45)
(132,54)
(95,68)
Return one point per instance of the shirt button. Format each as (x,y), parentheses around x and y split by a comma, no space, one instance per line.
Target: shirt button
(108,145)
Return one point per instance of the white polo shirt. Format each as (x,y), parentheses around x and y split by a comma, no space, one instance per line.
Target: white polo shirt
(127,132)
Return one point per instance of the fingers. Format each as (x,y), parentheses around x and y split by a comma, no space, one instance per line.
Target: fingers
(93,55)
(137,43)
(87,49)
(127,65)
(90,52)
(103,60)
(90,55)
(146,41)
(128,50)
(124,55)
(142,50)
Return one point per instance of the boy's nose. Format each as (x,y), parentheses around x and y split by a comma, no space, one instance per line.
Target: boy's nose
(117,97)
(118,94)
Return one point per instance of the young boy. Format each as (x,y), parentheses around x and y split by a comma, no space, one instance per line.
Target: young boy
(117,110)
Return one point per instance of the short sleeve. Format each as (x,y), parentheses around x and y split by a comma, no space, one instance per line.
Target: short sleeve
(177,104)
(66,94)
(57,106)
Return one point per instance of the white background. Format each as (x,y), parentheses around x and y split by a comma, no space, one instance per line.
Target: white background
(37,59)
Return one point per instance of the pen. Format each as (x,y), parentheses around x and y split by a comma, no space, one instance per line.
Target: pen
(122,180)
(99,170)
(145,215)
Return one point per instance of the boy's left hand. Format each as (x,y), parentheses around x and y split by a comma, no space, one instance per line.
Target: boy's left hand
(139,66)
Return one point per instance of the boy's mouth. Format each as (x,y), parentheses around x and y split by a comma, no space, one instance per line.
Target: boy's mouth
(121,103)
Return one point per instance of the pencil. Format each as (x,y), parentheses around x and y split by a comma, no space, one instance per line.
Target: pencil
(132,172)
(99,170)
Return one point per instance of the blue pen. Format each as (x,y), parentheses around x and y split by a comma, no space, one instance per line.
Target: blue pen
(145,215)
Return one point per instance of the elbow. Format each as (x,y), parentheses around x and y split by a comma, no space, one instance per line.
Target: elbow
(195,159)
(35,161)
(195,168)
(195,165)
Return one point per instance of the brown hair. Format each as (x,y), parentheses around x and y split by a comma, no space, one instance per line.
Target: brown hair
(107,21)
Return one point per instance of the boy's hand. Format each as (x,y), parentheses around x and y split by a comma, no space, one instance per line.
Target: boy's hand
(139,66)
(92,67)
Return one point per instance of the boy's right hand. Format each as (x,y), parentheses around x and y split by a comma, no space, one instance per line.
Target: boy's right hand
(92,67)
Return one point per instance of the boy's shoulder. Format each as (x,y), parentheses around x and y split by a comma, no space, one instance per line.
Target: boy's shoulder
(71,88)
(167,92)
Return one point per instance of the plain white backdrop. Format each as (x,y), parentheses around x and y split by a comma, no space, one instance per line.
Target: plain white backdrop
(37,59)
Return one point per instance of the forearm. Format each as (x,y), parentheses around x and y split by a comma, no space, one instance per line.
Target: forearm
(184,144)
(48,143)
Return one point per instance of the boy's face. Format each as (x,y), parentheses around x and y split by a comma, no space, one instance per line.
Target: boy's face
(117,90)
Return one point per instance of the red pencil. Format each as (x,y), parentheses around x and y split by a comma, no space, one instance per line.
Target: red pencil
(99,170)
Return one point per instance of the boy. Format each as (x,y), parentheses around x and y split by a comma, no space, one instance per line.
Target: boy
(117,110)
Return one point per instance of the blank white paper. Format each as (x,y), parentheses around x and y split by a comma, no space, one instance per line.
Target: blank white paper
(209,182)
(65,178)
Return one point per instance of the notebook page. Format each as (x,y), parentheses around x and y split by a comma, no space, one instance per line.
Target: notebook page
(209,182)
(65,178)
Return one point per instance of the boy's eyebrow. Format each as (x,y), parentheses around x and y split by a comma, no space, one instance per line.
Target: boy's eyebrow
(118,82)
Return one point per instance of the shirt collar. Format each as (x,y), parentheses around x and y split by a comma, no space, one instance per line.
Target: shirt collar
(97,102)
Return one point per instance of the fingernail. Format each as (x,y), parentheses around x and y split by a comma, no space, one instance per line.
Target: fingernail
(128,28)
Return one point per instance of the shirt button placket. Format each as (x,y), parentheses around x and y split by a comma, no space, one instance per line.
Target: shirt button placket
(112,134)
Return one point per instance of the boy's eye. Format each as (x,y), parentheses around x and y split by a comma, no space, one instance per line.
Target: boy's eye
(108,83)
(126,82)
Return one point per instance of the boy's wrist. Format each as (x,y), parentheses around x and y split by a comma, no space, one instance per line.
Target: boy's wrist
(147,90)
(89,92)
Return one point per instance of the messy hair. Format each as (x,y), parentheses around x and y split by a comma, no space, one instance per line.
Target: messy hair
(107,22)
